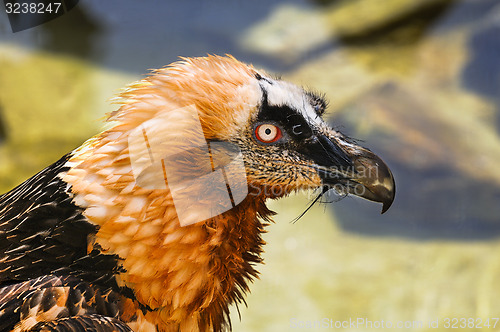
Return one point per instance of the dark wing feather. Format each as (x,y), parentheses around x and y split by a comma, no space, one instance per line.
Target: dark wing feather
(13,296)
(54,297)
(43,232)
(92,323)
(44,258)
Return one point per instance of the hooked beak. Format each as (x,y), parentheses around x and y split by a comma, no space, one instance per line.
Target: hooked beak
(361,173)
(372,180)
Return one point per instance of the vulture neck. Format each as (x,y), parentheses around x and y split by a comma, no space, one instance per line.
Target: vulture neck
(181,277)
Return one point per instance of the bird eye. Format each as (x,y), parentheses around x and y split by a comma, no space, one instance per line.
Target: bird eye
(267,133)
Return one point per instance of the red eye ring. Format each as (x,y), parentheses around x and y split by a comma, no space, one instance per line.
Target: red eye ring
(267,133)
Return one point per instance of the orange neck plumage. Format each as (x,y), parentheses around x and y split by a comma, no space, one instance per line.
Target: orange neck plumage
(187,275)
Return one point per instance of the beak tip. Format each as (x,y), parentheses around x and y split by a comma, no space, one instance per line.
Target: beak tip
(385,206)
(380,185)
(387,203)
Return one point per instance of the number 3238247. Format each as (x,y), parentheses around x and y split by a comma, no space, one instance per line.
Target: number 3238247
(478,323)
(32,7)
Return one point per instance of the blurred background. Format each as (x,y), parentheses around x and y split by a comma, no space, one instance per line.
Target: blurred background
(418,82)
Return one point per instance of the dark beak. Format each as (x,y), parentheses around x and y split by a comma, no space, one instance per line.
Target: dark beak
(362,174)
(372,180)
